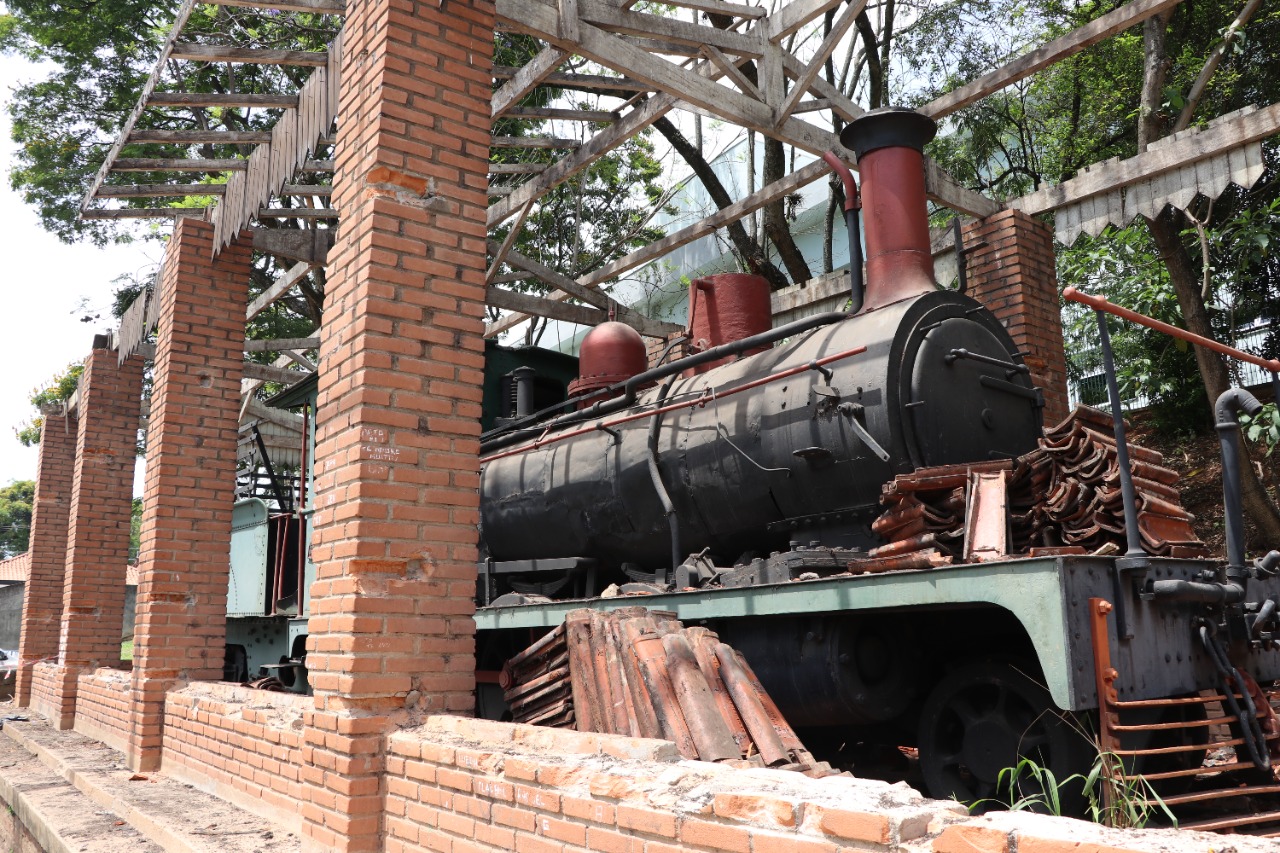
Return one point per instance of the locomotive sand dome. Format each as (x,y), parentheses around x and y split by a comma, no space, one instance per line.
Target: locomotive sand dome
(930,378)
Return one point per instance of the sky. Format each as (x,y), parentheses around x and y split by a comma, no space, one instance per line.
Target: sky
(49,286)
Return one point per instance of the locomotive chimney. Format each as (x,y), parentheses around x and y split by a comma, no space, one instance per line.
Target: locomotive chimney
(889,144)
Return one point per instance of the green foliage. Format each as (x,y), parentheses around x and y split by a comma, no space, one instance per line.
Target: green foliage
(135,531)
(58,390)
(1111,799)
(1264,428)
(96,57)
(16,502)
(1122,265)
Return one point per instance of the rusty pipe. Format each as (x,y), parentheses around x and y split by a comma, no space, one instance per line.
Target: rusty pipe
(1100,303)
(852,209)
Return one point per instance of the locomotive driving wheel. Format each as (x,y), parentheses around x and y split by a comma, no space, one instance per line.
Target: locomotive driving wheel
(984,718)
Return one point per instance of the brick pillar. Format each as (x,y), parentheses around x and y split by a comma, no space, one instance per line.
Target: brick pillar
(181,626)
(402,355)
(42,598)
(1014,275)
(110,397)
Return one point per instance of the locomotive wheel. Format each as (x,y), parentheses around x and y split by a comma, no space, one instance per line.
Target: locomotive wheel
(984,718)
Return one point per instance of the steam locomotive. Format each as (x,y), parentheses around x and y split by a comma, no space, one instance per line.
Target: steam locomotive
(734,485)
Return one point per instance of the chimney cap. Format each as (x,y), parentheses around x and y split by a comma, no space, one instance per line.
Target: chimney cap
(888,127)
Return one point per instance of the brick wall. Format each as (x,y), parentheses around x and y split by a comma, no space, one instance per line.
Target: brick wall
(98,522)
(102,706)
(242,745)
(1014,275)
(458,784)
(46,687)
(180,629)
(402,356)
(47,547)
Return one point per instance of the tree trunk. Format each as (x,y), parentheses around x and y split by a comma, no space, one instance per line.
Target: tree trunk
(1185,277)
(752,255)
(775,216)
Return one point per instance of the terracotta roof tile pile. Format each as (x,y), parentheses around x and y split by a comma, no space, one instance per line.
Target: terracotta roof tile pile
(1062,498)
(640,673)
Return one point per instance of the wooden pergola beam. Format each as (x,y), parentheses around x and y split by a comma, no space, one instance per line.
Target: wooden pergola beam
(532,142)
(716,7)
(179,21)
(1047,54)
(269,373)
(161,190)
(526,79)
(537,306)
(248,55)
(577,81)
(561,114)
(145,213)
(202,99)
(280,344)
(297,213)
(320,7)
(805,79)
(279,288)
(164,164)
(201,137)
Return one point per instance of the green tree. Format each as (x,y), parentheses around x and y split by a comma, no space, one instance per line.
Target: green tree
(16,502)
(58,390)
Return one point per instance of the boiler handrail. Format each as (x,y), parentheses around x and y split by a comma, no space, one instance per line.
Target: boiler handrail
(1100,303)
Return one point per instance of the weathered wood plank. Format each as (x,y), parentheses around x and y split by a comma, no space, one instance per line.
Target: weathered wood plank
(279,288)
(529,305)
(284,376)
(323,7)
(279,344)
(613,19)
(209,99)
(802,83)
(516,168)
(577,81)
(531,142)
(145,213)
(167,164)
(201,137)
(526,79)
(716,7)
(248,55)
(1047,54)
(297,213)
(179,21)
(562,114)
(500,256)
(730,70)
(161,190)
(1222,135)
(553,277)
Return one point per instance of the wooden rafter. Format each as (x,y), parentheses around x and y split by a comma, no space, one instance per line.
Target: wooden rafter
(526,79)
(587,82)
(248,55)
(810,72)
(161,190)
(322,7)
(163,164)
(1047,54)
(213,99)
(201,137)
(279,287)
(279,344)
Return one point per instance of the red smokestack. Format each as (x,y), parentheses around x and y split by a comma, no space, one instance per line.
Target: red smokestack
(889,144)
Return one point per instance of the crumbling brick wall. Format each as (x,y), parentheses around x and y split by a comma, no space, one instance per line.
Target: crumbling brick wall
(102,706)
(242,745)
(475,785)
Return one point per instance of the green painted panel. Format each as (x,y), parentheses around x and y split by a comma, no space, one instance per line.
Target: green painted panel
(1029,589)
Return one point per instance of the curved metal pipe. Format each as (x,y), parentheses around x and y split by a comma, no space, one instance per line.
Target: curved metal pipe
(853,227)
(673,518)
(1226,411)
(1202,593)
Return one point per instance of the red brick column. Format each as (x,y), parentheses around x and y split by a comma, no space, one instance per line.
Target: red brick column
(42,598)
(110,398)
(181,626)
(1014,276)
(397,474)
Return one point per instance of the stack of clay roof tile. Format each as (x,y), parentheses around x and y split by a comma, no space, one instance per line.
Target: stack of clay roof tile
(641,673)
(1063,497)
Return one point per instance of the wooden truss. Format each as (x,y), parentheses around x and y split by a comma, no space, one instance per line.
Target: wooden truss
(656,64)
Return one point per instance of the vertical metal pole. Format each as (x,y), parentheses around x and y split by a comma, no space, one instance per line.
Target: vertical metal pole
(1132,537)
